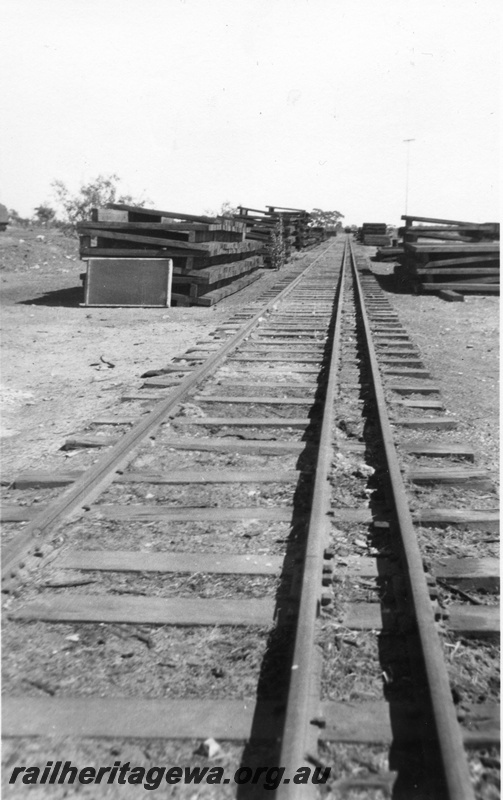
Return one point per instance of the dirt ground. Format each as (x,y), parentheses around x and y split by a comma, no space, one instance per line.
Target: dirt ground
(52,377)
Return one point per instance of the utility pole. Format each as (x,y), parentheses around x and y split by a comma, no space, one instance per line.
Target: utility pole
(407,141)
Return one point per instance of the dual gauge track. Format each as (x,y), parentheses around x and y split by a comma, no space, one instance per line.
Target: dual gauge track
(249,535)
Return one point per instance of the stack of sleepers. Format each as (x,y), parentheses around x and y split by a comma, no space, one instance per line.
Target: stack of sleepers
(442,254)
(272,230)
(210,256)
(291,225)
(298,220)
(374,234)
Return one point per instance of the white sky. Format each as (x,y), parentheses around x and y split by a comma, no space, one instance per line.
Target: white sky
(301,103)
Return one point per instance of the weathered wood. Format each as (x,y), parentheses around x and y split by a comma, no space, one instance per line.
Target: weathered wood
(210,477)
(247,422)
(210,275)
(116,420)
(461,247)
(463,260)
(475,272)
(160,383)
(467,517)
(355,515)
(147,610)
(133,561)
(210,298)
(108,215)
(175,245)
(139,718)
(485,288)
(226,445)
(469,620)
(389,333)
(273,401)
(469,573)
(47,480)
(225,720)
(187,232)
(188,514)
(259,345)
(408,372)
(451,296)
(438,450)
(425,404)
(435,517)
(284,357)
(447,475)
(270,384)
(474,620)
(412,388)
(402,345)
(412,234)
(435,220)
(156,212)
(379,722)
(87,252)
(44,480)
(12,513)
(403,360)
(85,440)
(427,423)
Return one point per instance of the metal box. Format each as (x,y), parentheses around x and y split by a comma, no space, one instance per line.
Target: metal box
(128,282)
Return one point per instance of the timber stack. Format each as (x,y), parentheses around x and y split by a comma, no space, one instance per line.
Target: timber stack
(374,234)
(450,255)
(298,219)
(280,230)
(273,232)
(211,256)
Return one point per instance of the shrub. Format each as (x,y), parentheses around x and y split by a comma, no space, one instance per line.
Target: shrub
(95,194)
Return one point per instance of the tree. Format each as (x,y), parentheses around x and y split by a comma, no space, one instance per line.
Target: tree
(95,194)
(45,214)
(17,219)
(325,219)
(227,210)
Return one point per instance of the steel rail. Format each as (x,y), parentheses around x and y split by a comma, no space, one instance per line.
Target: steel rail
(455,767)
(299,710)
(96,479)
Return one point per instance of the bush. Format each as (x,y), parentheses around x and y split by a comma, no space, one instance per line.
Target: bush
(95,194)
(277,245)
(45,214)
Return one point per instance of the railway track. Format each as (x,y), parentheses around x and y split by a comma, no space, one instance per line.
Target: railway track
(267,529)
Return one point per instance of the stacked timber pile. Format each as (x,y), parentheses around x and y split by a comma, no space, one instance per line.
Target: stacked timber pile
(298,220)
(443,254)
(275,232)
(211,257)
(280,230)
(270,233)
(374,234)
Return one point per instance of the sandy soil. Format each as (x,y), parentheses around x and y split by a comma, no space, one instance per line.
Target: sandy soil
(52,377)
